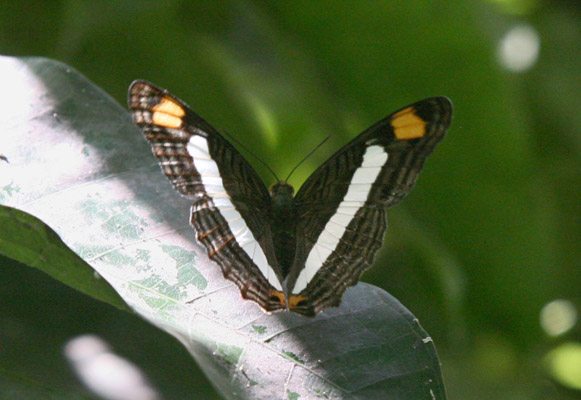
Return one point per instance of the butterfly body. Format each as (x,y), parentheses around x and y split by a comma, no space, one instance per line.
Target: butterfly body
(284,251)
(284,231)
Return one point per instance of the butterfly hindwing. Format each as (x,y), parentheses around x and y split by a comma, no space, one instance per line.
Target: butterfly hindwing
(342,205)
(231,204)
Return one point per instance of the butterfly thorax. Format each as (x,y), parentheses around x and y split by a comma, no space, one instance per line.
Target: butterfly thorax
(283,214)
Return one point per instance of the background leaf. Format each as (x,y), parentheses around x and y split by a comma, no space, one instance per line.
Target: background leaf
(12,388)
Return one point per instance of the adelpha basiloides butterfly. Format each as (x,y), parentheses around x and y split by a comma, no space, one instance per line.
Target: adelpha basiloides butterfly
(290,253)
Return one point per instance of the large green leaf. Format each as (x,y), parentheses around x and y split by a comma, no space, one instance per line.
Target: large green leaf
(76,161)
(27,239)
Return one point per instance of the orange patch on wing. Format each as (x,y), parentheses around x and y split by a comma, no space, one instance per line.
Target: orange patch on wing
(169,106)
(295,300)
(407,125)
(168,113)
(279,295)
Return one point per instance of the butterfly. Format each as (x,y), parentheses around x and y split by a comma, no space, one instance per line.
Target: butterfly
(284,251)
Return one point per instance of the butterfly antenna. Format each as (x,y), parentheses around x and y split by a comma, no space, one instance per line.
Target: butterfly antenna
(306,157)
(239,143)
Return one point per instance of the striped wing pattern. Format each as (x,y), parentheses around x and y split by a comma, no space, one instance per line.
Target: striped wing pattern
(340,210)
(228,196)
(342,229)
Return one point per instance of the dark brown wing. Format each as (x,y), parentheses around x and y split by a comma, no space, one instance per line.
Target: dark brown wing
(342,205)
(231,204)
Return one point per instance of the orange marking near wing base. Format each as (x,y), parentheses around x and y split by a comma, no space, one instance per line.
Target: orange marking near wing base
(407,125)
(295,300)
(279,295)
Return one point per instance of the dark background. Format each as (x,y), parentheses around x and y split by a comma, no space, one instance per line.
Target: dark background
(488,237)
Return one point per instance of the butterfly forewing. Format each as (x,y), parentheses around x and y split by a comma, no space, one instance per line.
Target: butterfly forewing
(231,204)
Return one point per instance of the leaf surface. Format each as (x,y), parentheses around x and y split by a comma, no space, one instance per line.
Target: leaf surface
(75,160)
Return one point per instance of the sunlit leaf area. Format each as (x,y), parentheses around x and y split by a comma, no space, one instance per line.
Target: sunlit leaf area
(484,251)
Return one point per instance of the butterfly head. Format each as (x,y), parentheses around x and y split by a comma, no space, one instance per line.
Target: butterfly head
(281,188)
(282,196)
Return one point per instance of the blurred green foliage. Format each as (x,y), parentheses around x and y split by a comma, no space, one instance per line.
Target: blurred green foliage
(489,235)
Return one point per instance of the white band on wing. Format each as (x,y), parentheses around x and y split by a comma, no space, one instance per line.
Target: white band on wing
(359,188)
(210,175)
